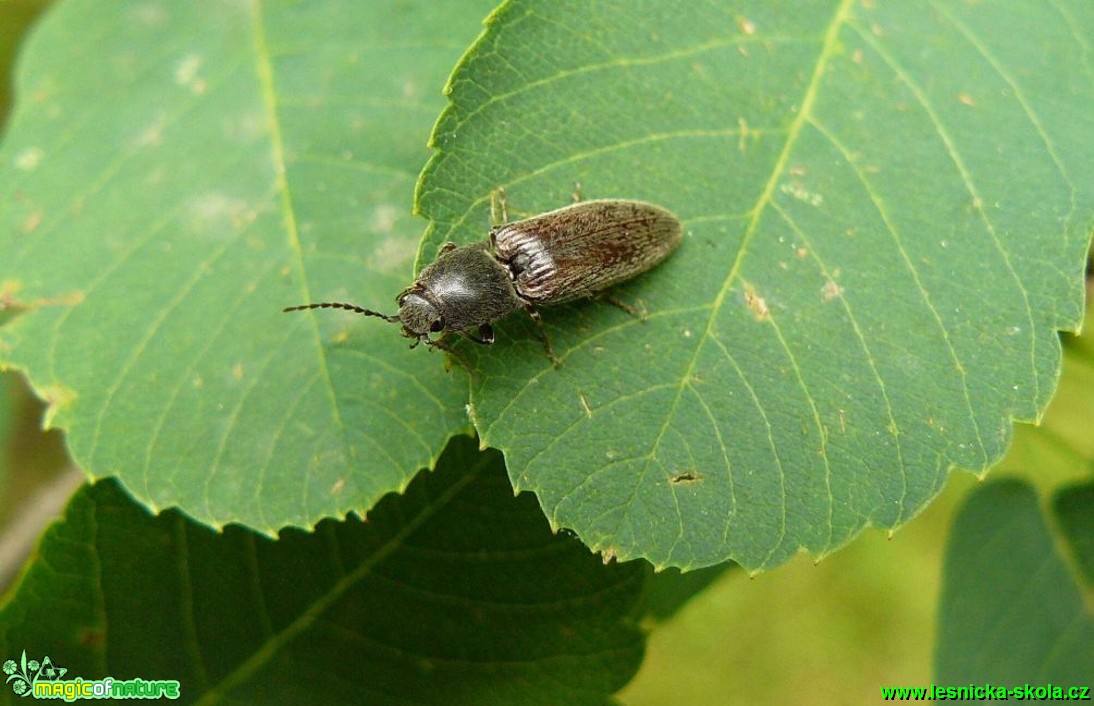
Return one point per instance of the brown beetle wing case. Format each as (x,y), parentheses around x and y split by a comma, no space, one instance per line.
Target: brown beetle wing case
(582,249)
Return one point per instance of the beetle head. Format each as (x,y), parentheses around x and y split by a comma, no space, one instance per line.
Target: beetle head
(419,314)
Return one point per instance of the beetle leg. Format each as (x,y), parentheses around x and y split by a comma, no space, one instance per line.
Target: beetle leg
(543,335)
(498,206)
(447,247)
(485,337)
(639,312)
(453,355)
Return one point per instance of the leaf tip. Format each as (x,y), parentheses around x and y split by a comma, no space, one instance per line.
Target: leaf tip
(608,555)
(57,398)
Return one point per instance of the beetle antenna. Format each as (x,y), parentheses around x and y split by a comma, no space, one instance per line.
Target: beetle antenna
(342,305)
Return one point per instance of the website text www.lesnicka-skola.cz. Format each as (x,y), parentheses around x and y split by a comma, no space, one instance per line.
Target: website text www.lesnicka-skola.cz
(986,692)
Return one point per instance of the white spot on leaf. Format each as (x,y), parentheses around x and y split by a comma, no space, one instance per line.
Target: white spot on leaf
(186,73)
(383,218)
(393,254)
(29,159)
(802,194)
(215,214)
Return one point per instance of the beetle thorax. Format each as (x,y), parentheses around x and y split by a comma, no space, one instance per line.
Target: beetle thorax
(464,288)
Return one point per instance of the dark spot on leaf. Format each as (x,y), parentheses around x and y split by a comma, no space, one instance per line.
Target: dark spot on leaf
(91,638)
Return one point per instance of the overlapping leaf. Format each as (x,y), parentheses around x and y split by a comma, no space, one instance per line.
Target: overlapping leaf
(886,210)
(1012,610)
(455,593)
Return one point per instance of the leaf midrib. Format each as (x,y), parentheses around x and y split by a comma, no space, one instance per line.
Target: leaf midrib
(264,72)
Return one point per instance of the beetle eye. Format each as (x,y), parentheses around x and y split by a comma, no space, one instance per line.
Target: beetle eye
(436,326)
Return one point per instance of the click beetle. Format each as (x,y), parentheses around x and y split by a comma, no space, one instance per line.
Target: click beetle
(556,257)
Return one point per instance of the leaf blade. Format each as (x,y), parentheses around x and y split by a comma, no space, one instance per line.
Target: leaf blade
(417,605)
(217,162)
(1010,611)
(856,308)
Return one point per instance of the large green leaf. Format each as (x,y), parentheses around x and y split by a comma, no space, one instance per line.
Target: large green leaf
(886,209)
(1012,610)
(454,593)
(174,175)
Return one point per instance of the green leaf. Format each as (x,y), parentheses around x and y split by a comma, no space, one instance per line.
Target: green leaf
(1074,508)
(886,209)
(7,418)
(454,593)
(177,173)
(1012,611)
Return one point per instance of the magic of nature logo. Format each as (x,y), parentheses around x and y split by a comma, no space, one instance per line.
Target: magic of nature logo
(43,680)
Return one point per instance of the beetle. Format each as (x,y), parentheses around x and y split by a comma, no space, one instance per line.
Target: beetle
(572,252)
